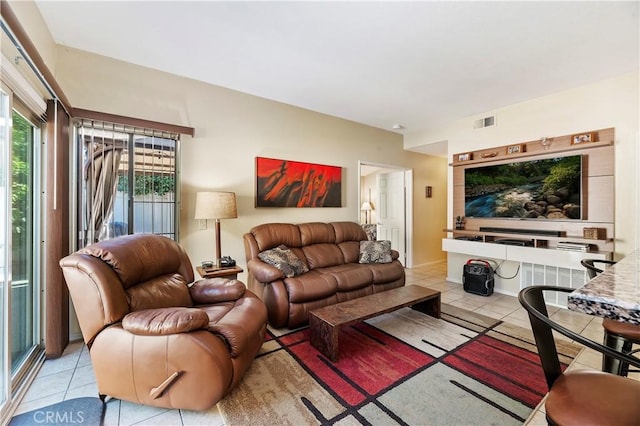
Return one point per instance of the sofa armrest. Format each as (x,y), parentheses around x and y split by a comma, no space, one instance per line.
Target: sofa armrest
(164,321)
(394,254)
(264,272)
(216,290)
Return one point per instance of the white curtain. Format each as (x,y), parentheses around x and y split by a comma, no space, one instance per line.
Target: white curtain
(102,179)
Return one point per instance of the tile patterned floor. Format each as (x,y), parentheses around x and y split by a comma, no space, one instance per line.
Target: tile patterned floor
(71,376)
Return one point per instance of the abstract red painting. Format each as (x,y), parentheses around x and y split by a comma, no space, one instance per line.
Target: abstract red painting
(284,183)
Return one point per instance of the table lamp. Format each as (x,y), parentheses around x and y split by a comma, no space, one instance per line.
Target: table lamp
(366,208)
(216,205)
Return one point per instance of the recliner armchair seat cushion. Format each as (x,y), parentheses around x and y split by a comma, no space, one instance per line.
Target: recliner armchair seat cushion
(163,321)
(161,292)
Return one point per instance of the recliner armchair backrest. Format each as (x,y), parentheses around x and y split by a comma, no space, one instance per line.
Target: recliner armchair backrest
(109,279)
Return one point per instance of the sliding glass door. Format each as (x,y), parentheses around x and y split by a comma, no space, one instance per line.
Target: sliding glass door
(19,247)
(24,299)
(5,255)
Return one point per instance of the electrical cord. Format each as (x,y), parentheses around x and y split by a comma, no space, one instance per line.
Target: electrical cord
(498,266)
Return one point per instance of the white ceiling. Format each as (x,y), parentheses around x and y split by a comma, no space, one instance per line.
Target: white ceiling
(418,64)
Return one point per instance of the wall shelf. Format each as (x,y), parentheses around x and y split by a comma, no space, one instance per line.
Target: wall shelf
(548,256)
(557,144)
(539,241)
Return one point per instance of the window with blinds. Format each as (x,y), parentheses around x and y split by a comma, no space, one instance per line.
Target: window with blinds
(127,181)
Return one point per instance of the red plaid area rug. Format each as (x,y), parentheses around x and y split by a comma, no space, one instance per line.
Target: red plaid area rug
(403,368)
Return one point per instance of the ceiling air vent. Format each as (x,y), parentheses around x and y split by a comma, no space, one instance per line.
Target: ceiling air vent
(485,122)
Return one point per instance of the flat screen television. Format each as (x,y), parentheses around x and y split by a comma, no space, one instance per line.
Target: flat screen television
(530,189)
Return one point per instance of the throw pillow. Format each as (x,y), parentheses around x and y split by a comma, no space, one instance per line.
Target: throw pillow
(285,260)
(375,251)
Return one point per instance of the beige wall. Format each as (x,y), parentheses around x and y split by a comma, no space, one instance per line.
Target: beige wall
(608,103)
(233,128)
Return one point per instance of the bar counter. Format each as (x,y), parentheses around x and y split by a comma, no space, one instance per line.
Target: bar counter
(615,293)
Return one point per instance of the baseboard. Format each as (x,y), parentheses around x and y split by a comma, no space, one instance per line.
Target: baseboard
(433,262)
(74,337)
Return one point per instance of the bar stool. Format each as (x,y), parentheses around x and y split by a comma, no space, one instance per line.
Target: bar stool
(618,335)
(579,397)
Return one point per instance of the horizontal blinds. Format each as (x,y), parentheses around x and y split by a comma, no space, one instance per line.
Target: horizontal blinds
(19,85)
(140,125)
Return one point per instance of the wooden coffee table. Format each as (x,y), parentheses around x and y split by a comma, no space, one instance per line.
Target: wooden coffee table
(325,323)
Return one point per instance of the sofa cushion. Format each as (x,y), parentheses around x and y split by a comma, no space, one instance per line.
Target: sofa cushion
(323,255)
(375,251)
(350,251)
(161,292)
(270,235)
(348,231)
(316,233)
(285,260)
(311,286)
(387,272)
(371,229)
(350,276)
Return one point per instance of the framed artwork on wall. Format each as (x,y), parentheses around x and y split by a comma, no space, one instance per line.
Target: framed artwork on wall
(515,149)
(285,183)
(582,138)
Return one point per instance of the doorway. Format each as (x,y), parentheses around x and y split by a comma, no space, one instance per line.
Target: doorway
(386,189)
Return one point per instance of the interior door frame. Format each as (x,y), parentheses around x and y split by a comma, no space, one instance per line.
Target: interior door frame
(408,203)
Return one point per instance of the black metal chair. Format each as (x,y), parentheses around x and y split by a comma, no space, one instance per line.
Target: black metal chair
(579,397)
(617,335)
(592,270)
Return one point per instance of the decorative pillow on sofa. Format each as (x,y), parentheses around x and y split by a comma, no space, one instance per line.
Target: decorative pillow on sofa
(285,260)
(375,251)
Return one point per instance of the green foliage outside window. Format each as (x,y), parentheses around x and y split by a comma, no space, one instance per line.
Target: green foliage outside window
(148,184)
(20,156)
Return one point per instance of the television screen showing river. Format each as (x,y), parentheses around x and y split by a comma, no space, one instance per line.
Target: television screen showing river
(536,189)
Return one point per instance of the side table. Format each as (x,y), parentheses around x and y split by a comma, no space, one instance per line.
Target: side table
(231,273)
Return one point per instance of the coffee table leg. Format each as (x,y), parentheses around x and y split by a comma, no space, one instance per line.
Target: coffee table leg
(429,307)
(323,337)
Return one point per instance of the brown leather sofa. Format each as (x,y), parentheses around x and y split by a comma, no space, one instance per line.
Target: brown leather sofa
(155,337)
(331,252)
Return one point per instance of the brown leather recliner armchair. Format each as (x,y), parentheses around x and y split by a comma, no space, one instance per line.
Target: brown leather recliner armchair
(156,337)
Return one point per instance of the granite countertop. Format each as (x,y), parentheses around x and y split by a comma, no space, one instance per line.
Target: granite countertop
(614,294)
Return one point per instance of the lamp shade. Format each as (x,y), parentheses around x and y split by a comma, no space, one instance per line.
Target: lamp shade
(216,205)
(366,206)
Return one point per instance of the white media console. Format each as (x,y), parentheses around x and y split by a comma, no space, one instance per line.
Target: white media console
(527,265)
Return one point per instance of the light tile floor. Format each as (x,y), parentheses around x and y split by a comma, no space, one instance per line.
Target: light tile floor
(71,376)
